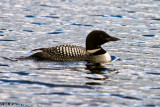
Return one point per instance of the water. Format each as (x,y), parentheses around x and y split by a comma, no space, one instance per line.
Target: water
(132,80)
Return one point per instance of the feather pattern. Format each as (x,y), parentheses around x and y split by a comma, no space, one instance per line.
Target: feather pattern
(64,53)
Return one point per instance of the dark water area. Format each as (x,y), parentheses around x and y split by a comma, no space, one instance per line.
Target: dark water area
(132,79)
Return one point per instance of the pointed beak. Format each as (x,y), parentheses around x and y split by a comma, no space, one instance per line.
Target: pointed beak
(112,39)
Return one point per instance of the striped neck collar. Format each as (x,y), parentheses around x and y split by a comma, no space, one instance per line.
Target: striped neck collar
(98,51)
(93,50)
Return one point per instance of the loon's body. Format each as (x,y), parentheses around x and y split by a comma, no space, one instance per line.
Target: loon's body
(62,53)
(92,53)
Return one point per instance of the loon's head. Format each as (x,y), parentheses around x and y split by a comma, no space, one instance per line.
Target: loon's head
(96,38)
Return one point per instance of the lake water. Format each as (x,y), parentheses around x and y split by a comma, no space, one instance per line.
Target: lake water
(131,80)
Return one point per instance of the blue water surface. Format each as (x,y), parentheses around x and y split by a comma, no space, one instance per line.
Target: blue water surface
(131,79)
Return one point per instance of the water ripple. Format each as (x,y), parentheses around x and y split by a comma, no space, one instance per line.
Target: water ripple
(157,19)
(54,17)
(155,88)
(28,30)
(118,16)
(155,46)
(1,32)
(149,105)
(93,83)
(21,73)
(4,65)
(76,24)
(7,40)
(54,93)
(153,73)
(36,23)
(56,32)
(99,15)
(126,97)
(49,6)
(153,29)
(148,35)
(29,16)
(131,11)
(3,29)
(44,84)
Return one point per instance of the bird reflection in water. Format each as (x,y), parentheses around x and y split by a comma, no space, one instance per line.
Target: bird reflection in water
(98,73)
(101,68)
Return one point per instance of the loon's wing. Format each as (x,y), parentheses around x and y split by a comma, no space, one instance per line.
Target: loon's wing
(66,50)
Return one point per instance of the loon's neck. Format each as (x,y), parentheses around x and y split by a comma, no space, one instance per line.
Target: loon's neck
(98,51)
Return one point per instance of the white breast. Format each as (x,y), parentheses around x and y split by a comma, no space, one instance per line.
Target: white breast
(103,58)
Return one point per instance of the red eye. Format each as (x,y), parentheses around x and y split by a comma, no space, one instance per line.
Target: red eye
(101,36)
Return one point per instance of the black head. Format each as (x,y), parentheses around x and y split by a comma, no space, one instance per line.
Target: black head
(96,38)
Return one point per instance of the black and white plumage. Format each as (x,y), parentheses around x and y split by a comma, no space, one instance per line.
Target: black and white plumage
(62,53)
(92,53)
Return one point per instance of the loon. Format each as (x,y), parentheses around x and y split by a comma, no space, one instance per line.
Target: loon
(93,53)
